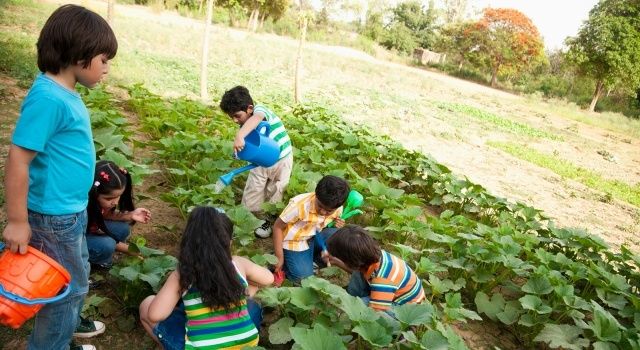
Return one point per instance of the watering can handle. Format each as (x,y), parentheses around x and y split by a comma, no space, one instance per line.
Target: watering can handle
(264,126)
(35,301)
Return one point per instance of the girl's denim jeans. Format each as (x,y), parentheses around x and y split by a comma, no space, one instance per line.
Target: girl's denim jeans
(101,247)
(62,237)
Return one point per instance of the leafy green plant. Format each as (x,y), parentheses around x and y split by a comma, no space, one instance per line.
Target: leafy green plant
(141,275)
(482,256)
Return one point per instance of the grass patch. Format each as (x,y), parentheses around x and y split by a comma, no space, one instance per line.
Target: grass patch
(617,189)
(18,57)
(498,121)
(615,122)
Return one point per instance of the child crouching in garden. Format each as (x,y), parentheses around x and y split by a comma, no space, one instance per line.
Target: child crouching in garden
(306,216)
(379,278)
(211,288)
(111,213)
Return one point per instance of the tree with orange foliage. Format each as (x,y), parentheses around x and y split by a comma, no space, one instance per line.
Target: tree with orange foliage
(510,41)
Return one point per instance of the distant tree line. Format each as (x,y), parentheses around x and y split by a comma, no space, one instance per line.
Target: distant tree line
(599,69)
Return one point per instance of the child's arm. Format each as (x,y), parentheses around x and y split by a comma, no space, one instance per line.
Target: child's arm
(278,229)
(141,215)
(17,233)
(248,126)
(257,276)
(167,298)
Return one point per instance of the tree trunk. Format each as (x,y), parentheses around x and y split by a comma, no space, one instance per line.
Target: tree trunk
(256,19)
(253,14)
(460,64)
(494,76)
(262,18)
(205,53)
(596,95)
(303,34)
(111,4)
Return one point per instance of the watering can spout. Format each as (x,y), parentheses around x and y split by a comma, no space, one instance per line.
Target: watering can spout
(259,150)
(228,177)
(354,201)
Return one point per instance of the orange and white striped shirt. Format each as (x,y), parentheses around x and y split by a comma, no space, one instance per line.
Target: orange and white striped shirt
(303,221)
(392,281)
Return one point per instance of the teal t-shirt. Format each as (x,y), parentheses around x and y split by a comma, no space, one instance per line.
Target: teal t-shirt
(54,122)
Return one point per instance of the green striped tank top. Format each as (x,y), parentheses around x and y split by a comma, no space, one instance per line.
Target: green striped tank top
(278,132)
(218,328)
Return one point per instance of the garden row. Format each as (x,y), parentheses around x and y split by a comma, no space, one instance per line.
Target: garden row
(481,256)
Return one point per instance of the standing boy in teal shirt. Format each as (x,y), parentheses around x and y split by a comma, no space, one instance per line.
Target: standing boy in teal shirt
(49,169)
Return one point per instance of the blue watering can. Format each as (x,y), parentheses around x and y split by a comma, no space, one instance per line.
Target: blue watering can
(259,150)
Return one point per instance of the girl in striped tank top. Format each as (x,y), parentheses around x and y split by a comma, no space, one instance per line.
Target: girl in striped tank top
(211,288)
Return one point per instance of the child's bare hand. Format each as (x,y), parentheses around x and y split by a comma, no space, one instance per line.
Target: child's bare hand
(238,144)
(339,223)
(326,257)
(279,264)
(142,215)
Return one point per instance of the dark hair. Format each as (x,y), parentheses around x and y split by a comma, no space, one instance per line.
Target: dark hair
(73,34)
(235,100)
(332,191)
(354,246)
(205,260)
(108,178)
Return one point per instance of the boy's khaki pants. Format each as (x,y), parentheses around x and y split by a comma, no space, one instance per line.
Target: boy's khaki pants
(267,184)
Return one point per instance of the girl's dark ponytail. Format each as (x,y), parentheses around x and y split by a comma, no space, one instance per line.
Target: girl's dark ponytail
(126,199)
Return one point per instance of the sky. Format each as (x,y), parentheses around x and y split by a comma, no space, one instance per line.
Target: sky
(555,19)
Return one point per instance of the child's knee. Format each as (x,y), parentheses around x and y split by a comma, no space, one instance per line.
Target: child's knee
(144,308)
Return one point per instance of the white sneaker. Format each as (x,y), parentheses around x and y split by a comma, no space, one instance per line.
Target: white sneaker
(263,231)
(74,346)
(88,328)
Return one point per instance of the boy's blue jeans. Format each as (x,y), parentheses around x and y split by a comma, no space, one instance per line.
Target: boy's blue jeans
(299,265)
(101,247)
(359,287)
(62,237)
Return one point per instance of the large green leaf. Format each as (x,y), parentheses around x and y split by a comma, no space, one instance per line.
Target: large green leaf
(511,313)
(304,298)
(532,302)
(374,333)
(602,345)
(356,309)
(562,336)
(279,331)
(537,284)
(604,325)
(274,296)
(434,340)
(414,314)
(317,338)
(490,307)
